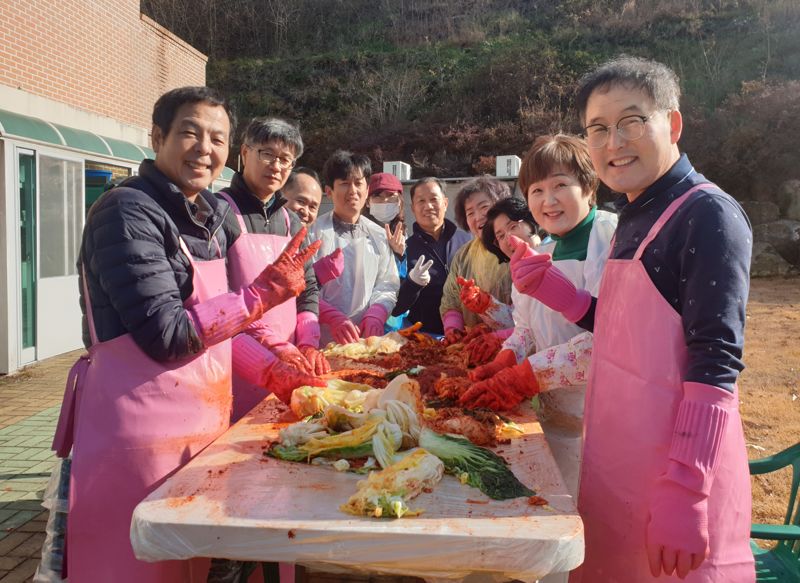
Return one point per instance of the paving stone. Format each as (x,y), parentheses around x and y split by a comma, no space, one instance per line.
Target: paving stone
(18,465)
(24,505)
(33,526)
(8,563)
(12,440)
(17,485)
(11,541)
(22,573)
(31,547)
(19,518)
(14,496)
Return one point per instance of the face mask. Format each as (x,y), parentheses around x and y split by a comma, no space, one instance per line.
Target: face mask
(384,211)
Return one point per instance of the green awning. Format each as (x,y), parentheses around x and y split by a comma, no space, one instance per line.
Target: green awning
(127,150)
(83,140)
(38,130)
(28,127)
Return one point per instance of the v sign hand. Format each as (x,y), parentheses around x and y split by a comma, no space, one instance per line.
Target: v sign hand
(397,240)
(420,273)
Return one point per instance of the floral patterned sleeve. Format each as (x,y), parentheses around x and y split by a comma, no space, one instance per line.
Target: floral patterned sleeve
(521,339)
(563,365)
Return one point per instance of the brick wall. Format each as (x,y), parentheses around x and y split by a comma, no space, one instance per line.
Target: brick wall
(101,56)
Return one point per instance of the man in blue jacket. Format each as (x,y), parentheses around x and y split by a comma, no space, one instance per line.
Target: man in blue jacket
(429,251)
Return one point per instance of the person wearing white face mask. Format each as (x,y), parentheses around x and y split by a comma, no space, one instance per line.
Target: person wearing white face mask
(385,207)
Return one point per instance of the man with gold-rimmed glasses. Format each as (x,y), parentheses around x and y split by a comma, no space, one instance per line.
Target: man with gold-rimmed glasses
(270,148)
(664,486)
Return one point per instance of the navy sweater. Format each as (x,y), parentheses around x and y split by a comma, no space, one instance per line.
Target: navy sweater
(422,303)
(699,262)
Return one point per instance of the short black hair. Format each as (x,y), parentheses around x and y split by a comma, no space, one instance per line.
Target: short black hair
(343,164)
(261,130)
(515,209)
(301,170)
(168,104)
(427,180)
(657,80)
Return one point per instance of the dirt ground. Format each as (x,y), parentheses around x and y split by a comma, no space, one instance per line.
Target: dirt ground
(770,387)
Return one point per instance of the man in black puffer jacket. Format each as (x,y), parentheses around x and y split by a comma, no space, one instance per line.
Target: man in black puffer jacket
(155,388)
(130,289)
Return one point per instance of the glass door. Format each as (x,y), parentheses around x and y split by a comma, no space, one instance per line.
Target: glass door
(27,247)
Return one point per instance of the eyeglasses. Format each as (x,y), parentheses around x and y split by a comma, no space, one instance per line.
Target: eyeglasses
(513,228)
(269,158)
(386,196)
(630,128)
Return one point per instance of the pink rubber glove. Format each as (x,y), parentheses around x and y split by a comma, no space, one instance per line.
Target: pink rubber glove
(329,267)
(306,336)
(453,322)
(677,534)
(504,359)
(342,329)
(257,365)
(286,277)
(504,391)
(306,332)
(224,316)
(533,274)
(373,321)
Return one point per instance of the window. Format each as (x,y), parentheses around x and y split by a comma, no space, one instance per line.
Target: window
(60,215)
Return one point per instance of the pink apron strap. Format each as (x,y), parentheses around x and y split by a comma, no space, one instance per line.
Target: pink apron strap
(65,429)
(235,208)
(288,221)
(666,216)
(185,249)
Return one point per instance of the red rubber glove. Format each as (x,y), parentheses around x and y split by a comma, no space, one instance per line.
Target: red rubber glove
(504,359)
(483,348)
(316,359)
(306,337)
(285,278)
(533,274)
(342,329)
(453,323)
(289,354)
(504,391)
(473,298)
(677,534)
(373,321)
(256,364)
(329,267)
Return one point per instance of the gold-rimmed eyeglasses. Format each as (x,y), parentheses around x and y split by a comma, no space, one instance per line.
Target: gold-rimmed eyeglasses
(630,128)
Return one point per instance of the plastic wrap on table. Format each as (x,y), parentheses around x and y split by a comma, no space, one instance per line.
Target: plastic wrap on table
(233,502)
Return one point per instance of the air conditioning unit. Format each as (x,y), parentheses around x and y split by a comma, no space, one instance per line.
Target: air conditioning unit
(507,166)
(399,169)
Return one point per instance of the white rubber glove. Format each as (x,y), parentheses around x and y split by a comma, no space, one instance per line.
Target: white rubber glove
(419,274)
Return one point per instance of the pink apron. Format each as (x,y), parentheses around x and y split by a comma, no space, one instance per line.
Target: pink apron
(638,362)
(247,258)
(135,422)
